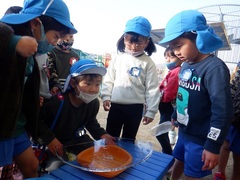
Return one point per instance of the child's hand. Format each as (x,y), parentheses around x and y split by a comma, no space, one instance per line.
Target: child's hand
(41,101)
(55,90)
(55,146)
(107,105)
(210,160)
(147,120)
(174,122)
(109,139)
(26,46)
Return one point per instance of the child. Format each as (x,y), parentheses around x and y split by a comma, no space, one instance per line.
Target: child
(61,58)
(203,104)
(131,81)
(232,142)
(46,21)
(78,111)
(168,88)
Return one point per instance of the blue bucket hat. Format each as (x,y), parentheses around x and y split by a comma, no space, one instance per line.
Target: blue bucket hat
(139,25)
(56,9)
(81,67)
(192,21)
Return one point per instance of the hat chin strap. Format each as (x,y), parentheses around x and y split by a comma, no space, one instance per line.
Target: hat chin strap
(49,4)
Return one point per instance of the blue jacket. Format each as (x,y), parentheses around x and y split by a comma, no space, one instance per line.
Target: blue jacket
(204,105)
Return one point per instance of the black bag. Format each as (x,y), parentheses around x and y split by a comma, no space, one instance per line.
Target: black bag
(235,92)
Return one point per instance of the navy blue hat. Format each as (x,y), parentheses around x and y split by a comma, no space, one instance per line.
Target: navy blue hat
(192,21)
(81,67)
(139,25)
(56,9)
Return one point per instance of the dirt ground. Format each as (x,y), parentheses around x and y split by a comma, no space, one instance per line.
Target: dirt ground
(144,135)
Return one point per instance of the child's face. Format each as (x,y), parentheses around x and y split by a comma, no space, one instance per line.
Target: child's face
(170,58)
(185,49)
(67,38)
(90,85)
(139,45)
(53,36)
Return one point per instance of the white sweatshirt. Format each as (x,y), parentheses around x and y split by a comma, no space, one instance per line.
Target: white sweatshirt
(132,80)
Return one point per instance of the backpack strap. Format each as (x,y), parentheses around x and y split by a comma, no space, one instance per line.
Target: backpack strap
(61,98)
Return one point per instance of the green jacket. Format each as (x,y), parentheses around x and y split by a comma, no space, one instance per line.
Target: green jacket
(14,94)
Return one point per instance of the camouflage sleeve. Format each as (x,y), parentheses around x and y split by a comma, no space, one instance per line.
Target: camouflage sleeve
(53,76)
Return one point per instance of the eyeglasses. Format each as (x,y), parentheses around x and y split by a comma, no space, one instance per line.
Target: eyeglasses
(137,45)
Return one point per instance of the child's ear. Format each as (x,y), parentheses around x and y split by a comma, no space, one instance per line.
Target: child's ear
(73,83)
(35,25)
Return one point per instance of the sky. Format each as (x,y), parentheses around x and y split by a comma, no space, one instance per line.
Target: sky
(100,23)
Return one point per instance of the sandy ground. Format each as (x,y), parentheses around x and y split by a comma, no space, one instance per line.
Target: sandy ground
(144,134)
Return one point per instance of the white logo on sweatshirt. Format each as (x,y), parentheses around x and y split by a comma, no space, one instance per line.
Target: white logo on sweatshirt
(214,133)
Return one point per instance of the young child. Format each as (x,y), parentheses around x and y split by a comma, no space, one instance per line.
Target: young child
(65,116)
(45,22)
(232,141)
(61,58)
(78,111)
(203,104)
(131,81)
(168,88)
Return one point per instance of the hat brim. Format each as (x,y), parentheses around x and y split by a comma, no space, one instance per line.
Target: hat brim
(92,70)
(95,70)
(18,18)
(22,18)
(170,38)
(136,31)
(67,24)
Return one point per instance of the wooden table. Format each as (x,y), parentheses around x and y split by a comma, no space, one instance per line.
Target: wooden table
(155,167)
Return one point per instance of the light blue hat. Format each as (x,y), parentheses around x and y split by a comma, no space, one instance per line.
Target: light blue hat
(81,67)
(56,9)
(192,21)
(139,25)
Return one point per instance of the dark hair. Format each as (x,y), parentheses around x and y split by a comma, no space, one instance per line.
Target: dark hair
(13,10)
(86,76)
(189,35)
(169,49)
(48,22)
(22,29)
(149,49)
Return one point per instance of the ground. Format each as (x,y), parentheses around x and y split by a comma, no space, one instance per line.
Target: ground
(144,134)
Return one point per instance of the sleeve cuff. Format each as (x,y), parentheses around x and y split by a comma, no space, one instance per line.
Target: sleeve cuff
(149,114)
(212,146)
(174,115)
(13,43)
(105,98)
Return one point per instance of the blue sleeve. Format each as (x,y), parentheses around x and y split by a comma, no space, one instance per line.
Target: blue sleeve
(218,84)
(174,114)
